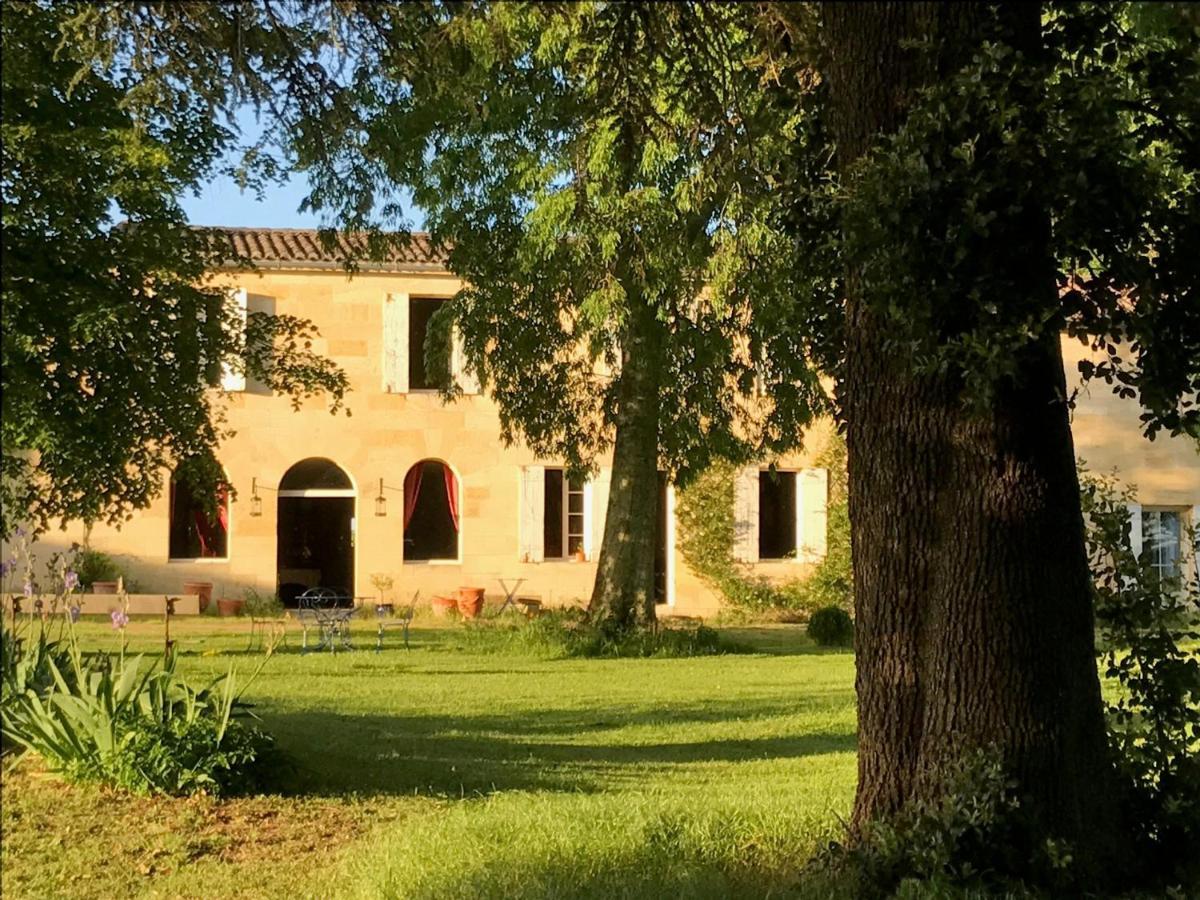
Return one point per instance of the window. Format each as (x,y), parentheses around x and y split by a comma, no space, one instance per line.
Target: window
(197,532)
(421,310)
(431,519)
(563,516)
(776,515)
(1161,529)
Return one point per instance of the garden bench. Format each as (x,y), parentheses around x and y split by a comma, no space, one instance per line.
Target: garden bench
(386,617)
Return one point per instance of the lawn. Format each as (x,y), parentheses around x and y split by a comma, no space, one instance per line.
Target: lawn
(438,772)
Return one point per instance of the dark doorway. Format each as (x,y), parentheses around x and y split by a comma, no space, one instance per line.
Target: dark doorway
(660,541)
(315,546)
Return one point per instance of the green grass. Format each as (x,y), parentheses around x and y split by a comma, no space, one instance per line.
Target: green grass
(448,772)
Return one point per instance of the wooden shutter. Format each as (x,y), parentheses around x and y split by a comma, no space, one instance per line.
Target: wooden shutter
(395,344)
(465,380)
(1196,541)
(812,511)
(232,380)
(1135,528)
(745,515)
(595,507)
(533,512)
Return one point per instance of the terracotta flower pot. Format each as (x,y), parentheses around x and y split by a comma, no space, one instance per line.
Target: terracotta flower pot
(443,605)
(580,556)
(229,607)
(470,601)
(203,588)
(104,587)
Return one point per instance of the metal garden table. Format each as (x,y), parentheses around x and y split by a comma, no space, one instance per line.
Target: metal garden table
(322,608)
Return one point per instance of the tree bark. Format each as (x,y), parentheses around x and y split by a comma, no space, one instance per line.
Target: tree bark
(623,593)
(972,593)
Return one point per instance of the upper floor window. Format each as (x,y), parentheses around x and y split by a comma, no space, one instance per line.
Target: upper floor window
(420,311)
(405,327)
(1161,534)
(197,530)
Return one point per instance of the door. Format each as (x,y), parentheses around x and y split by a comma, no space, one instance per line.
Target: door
(315,546)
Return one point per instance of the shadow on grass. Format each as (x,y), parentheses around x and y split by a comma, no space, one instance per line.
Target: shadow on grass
(334,753)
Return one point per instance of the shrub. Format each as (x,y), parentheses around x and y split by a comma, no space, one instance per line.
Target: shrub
(966,840)
(262,605)
(1145,625)
(92,566)
(831,626)
(148,731)
(559,634)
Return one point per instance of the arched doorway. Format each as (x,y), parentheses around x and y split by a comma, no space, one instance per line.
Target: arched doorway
(315,530)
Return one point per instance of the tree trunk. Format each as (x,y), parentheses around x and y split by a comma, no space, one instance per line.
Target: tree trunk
(972,593)
(624,589)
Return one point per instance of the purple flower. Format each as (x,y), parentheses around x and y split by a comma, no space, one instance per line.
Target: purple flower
(28,589)
(74,612)
(119,619)
(21,532)
(70,581)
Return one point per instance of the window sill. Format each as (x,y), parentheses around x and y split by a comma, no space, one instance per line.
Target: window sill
(432,562)
(203,560)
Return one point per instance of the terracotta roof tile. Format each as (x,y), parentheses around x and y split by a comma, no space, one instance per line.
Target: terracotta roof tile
(302,248)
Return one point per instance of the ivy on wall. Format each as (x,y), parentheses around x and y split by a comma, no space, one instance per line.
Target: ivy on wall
(705,535)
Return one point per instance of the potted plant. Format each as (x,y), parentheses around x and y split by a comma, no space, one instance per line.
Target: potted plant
(230,606)
(580,555)
(470,601)
(98,572)
(443,605)
(203,589)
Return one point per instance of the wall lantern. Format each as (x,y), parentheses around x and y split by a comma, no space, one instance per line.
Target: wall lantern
(255,500)
(381,500)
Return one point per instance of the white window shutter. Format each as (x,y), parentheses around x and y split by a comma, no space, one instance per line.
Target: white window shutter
(533,513)
(595,504)
(812,511)
(395,344)
(1196,541)
(234,380)
(458,366)
(745,515)
(1135,528)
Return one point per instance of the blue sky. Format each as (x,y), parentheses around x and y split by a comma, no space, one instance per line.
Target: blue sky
(223,203)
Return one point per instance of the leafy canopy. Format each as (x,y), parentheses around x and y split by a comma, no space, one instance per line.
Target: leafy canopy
(114,334)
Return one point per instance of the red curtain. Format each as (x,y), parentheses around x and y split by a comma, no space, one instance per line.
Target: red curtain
(207,530)
(451,494)
(412,490)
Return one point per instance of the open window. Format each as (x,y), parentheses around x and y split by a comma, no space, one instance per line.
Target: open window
(198,530)
(563,515)
(557,513)
(776,515)
(780,515)
(431,512)
(406,323)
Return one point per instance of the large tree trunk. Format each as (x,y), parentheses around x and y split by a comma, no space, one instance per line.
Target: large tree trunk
(972,598)
(624,589)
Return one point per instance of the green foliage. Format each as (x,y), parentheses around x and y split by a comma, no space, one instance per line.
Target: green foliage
(262,605)
(967,842)
(93,565)
(142,731)
(114,335)
(1148,629)
(831,626)
(567,634)
(705,536)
